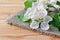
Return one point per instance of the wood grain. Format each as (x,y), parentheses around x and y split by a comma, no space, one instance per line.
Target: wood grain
(10,32)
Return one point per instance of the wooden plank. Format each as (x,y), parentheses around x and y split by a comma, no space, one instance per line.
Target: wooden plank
(8,7)
(11,6)
(11,1)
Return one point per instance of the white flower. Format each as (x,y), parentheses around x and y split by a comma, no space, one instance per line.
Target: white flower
(34,25)
(40,12)
(36,11)
(44,25)
(29,13)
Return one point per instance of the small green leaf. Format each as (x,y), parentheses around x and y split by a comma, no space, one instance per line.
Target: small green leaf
(56,21)
(32,0)
(22,18)
(58,3)
(29,21)
(28,3)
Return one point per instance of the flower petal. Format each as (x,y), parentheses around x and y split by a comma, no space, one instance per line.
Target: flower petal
(52,1)
(44,26)
(47,19)
(34,4)
(34,25)
(44,3)
(39,14)
(43,13)
(29,13)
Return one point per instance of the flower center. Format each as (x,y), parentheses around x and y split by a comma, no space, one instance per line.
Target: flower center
(39,20)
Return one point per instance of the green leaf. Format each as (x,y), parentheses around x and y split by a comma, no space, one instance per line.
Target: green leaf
(32,0)
(58,3)
(22,18)
(56,21)
(28,3)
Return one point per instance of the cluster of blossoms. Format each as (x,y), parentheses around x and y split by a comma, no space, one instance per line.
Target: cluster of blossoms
(39,15)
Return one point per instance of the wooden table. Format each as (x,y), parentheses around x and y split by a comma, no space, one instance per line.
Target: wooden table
(10,32)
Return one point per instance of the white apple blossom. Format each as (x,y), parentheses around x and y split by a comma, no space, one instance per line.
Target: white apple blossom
(44,25)
(29,13)
(39,14)
(38,11)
